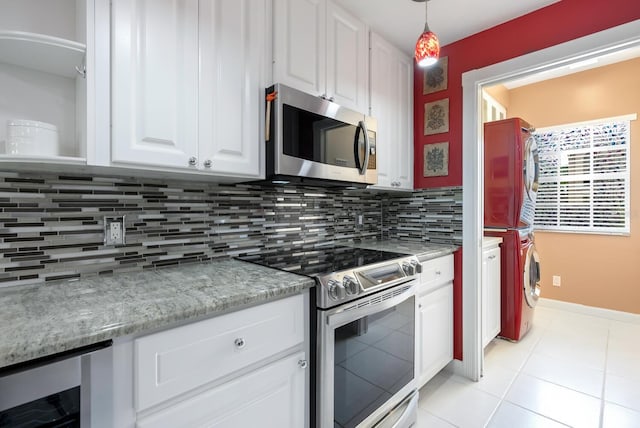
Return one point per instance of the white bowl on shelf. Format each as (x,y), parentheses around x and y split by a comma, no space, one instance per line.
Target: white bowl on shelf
(30,137)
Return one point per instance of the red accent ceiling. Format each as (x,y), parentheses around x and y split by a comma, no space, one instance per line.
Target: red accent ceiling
(549,26)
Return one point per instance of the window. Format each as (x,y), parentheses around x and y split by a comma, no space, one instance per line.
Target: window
(584,177)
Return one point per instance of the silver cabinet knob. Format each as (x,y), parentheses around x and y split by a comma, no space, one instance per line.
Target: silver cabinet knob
(207,163)
(193,161)
(303,364)
(239,342)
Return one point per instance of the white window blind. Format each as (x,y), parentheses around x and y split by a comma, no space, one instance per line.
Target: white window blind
(584,177)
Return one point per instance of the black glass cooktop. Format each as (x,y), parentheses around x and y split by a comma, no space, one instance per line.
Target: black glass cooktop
(320,260)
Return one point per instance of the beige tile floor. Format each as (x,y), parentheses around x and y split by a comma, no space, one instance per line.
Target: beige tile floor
(570,370)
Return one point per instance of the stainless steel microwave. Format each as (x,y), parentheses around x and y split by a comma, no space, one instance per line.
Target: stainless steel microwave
(314,140)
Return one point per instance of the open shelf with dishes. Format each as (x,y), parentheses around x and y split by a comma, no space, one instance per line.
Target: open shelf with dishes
(43,80)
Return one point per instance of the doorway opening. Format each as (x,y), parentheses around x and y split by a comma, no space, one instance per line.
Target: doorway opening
(608,42)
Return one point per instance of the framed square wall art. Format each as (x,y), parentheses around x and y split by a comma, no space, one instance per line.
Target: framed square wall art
(436,117)
(435,77)
(436,159)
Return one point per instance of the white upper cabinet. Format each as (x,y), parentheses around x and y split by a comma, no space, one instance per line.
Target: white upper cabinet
(232,64)
(392,107)
(321,49)
(155,82)
(46,79)
(299,44)
(347,59)
(188,84)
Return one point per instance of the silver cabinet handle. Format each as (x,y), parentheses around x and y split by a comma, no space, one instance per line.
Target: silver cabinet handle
(208,163)
(239,342)
(438,272)
(303,364)
(193,161)
(491,257)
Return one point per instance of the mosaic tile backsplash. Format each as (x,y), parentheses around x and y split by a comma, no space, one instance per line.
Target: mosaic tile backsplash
(51,226)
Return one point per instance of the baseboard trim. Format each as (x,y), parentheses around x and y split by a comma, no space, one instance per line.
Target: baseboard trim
(590,310)
(455,367)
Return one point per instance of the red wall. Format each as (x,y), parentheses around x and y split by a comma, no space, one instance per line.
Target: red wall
(552,25)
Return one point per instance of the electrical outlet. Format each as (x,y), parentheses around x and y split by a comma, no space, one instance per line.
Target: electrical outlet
(114,230)
(556,280)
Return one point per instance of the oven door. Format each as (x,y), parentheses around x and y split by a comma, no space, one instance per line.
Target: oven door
(366,360)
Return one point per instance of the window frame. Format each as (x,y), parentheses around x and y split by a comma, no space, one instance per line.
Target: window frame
(589,177)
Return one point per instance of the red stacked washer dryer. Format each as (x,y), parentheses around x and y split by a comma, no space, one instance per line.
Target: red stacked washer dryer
(510,186)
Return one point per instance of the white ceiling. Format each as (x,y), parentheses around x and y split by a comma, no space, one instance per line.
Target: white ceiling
(402,21)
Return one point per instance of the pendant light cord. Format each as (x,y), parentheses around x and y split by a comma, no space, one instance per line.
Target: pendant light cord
(426,15)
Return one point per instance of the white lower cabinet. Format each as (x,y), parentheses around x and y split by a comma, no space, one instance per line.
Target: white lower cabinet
(246,368)
(490,290)
(434,333)
(270,397)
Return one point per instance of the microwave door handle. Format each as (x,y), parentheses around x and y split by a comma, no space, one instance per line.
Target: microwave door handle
(362,168)
(356,152)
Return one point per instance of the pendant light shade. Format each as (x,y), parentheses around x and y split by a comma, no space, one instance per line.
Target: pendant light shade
(427,49)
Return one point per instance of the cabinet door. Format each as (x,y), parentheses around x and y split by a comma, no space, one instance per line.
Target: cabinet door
(232,82)
(404,119)
(299,45)
(347,59)
(154,82)
(173,362)
(490,294)
(435,332)
(392,106)
(382,105)
(270,397)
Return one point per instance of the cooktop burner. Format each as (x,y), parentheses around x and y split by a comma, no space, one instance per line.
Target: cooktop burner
(320,260)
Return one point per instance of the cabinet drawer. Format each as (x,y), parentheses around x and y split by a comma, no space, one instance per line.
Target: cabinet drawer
(270,397)
(436,272)
(175,361)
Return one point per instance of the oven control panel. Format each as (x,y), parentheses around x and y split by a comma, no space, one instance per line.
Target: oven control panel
(339,287)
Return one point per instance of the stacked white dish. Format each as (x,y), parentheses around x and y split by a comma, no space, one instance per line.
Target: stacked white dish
(30,137)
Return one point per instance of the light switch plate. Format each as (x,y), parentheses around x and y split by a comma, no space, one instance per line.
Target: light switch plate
(556,280)
(114,231)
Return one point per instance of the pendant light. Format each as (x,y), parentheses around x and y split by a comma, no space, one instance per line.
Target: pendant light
(428,46)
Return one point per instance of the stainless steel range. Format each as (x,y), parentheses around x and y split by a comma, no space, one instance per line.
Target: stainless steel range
(364,337)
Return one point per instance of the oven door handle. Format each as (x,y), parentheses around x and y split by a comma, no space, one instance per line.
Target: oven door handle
(340,316)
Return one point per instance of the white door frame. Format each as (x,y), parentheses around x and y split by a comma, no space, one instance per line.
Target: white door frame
(593,45)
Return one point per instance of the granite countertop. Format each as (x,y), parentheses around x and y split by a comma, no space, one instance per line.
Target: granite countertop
(46,319)
(424,250)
